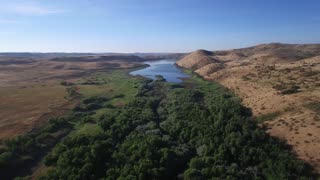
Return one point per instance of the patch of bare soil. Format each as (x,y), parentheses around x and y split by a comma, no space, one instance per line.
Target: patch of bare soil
(25,108)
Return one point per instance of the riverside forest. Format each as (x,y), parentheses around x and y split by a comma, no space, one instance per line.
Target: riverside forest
(131,127)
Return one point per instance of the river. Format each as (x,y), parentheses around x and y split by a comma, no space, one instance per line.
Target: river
(165,68)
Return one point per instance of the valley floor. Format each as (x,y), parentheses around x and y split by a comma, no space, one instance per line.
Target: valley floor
(130,127)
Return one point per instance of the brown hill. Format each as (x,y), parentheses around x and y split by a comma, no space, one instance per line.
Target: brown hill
(267,54)
(276,52)
(197,59)
(262,54)
(279,82)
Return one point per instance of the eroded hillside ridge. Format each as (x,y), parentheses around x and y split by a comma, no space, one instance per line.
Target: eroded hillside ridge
(279,82)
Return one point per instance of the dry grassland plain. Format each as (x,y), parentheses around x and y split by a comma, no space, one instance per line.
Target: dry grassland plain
(31,91)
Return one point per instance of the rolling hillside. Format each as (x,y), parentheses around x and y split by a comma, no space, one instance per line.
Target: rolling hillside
(279,82)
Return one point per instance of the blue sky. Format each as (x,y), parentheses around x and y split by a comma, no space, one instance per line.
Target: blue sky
(154,25)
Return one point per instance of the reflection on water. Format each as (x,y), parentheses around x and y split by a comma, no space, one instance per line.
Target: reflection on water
(165,68)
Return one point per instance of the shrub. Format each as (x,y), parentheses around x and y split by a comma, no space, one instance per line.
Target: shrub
(290,90)
(268,117)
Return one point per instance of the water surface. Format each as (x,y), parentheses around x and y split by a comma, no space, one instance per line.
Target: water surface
(165,68)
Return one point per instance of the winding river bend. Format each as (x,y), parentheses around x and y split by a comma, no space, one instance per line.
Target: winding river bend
(165,68)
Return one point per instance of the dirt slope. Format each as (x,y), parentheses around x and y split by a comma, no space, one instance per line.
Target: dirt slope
(197,59)
(279,82)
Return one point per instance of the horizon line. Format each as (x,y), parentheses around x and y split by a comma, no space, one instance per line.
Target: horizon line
(154,52)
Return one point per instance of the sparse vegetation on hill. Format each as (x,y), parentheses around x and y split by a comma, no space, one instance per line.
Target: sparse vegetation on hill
(271,79)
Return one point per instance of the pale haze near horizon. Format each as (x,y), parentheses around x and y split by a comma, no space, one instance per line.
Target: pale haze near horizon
(154,26)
